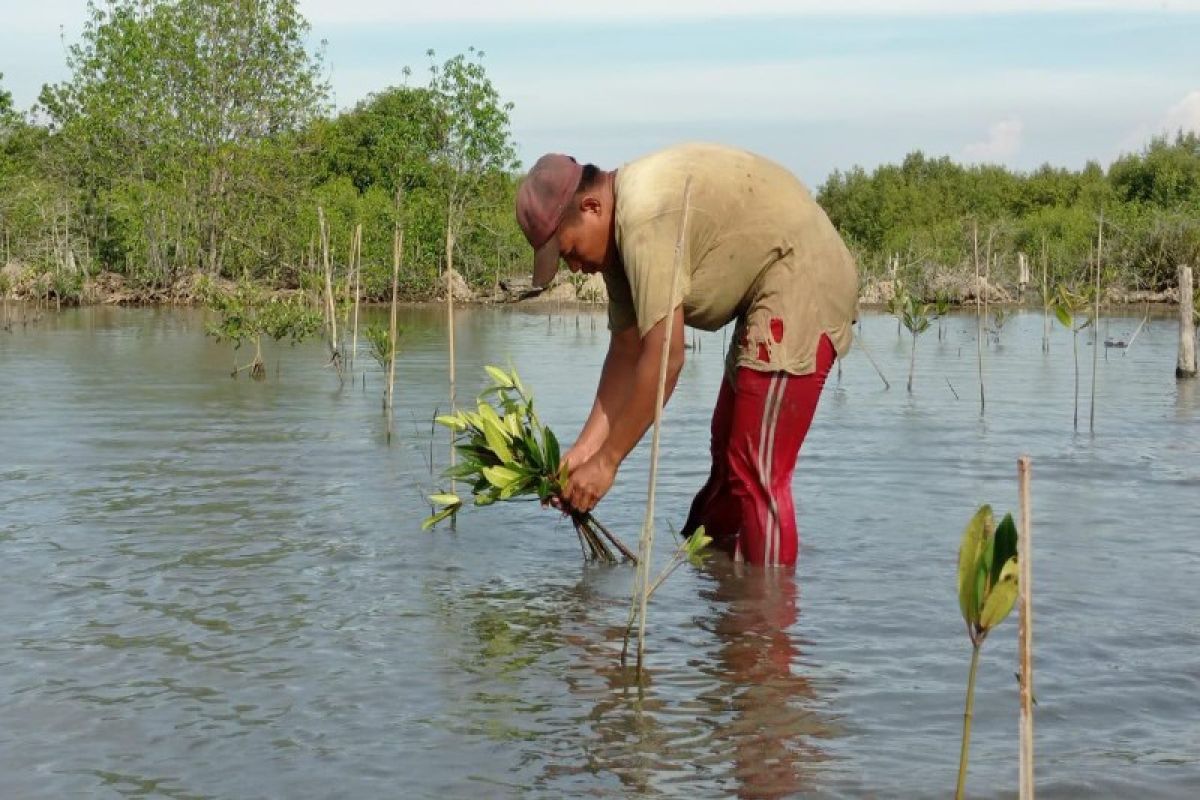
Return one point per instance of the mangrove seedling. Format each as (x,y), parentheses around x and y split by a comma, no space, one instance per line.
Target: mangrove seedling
(1000,316)
(507,454)
(988,585)
(915,317)
(379,340)
(1067,307)
(897,303)
(248,313)
(941,307)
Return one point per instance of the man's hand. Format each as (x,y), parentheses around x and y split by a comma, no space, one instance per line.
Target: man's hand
(589,482)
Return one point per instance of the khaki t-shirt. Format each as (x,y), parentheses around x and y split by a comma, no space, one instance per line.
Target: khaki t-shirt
(758,249)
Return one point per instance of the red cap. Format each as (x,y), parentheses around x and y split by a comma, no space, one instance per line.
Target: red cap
(542,201)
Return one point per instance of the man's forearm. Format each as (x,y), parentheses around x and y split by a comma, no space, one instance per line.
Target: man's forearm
(612,393)
(637,413)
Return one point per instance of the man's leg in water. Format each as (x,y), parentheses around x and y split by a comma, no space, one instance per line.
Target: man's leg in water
(714,506)
(757,430)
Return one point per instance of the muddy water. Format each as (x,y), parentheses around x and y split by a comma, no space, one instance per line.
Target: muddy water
(218,588)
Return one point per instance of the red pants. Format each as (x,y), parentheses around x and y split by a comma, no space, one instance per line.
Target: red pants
(757,429)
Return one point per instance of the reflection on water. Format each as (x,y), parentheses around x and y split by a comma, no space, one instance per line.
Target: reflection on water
(217,588)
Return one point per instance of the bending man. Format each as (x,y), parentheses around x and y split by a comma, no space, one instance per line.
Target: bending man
(758,250)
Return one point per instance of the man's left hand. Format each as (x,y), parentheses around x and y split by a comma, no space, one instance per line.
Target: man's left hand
(590,482)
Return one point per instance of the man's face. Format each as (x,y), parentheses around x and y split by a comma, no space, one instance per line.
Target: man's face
(583,236)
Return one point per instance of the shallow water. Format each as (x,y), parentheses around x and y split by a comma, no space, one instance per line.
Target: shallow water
(219,588)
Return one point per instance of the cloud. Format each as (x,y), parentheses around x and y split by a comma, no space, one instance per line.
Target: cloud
(1002,143)
(1184,115)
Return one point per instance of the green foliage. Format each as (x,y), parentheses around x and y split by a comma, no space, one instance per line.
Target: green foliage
(924,209)
(1068,305)
(506,454)
(987,573)
(177,125)
(380,342)
(246,313)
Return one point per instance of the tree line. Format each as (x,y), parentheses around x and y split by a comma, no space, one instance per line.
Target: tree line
(930,214)
(198,137)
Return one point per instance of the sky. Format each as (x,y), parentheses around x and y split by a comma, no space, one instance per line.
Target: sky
(817,86)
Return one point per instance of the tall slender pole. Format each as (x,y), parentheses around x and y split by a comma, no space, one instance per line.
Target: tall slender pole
(397,255)
(1025,627)
(1096,326)
(1185,365)
(357,292)
(450,327)
(978,314)
(647,538)
(330,309)
(1045,303)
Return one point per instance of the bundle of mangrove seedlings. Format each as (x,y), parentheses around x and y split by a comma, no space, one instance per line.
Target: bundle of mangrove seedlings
(505,453)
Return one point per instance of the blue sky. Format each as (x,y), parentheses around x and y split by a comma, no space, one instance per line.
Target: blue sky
(816,85)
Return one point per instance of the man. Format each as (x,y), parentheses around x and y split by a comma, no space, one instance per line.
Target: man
(757,249)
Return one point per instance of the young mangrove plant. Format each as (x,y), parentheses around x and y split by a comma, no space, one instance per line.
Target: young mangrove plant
(988,585)
(247,313)
(507,454)
(1067,307)
(915,317)
(1000,317)
(383,349)
(941,307)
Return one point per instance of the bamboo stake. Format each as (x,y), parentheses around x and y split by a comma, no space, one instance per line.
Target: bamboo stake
(357,290)
(1025,628)
(1185,365)
(1138,330)
(647,538)
(334,356)
(1096,327)
(397,255)
(450,330)
(1045,305)
(978,315)
(863,346)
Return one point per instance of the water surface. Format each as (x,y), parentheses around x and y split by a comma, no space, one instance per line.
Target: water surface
(218,588)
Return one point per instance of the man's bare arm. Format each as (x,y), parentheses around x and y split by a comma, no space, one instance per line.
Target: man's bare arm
(612,393)
(637,413)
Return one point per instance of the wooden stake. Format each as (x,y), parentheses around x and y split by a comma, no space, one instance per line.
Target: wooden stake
(357,266)
(397,256)
(863,346)
(1045,304)
(1096,327)
(1025,628)
(1185,366)
(335,357)
(450,330)
(978,315)
(647,538)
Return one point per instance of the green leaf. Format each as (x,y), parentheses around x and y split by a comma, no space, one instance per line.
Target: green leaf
(445,499)
(499,377)
(438,517)
(1064,316)
(484,499)
(974,537)
(452,421)
(534,452)
(500,477)
(552,454)
(1004,547)
(1002,597)
(516,382)
(497,439)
